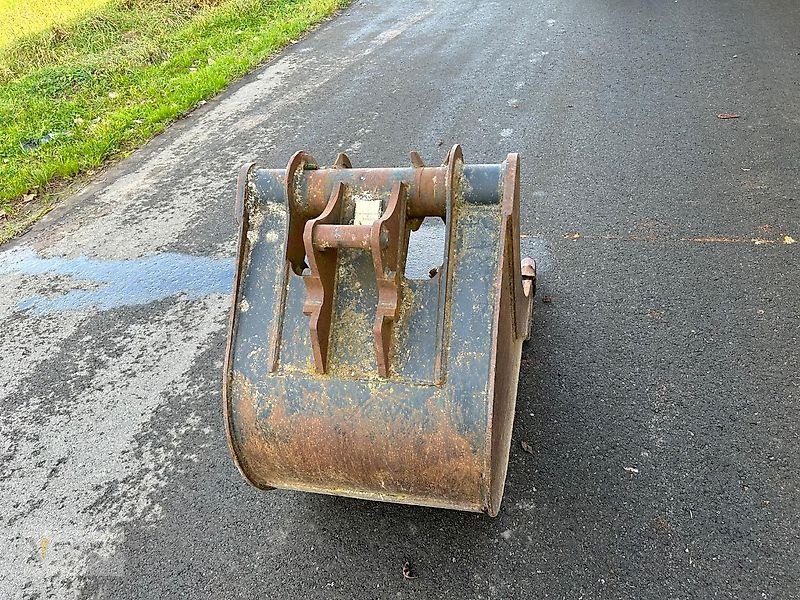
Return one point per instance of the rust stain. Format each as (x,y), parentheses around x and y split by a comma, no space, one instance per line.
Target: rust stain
(342,452)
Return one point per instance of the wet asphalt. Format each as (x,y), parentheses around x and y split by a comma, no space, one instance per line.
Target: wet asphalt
(660,393)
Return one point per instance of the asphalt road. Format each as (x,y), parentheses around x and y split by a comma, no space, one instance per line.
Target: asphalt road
(660,393)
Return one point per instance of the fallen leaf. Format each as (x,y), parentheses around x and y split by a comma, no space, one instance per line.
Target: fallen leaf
(631,469)
(547,299)
(526,447)
(787,239)
(28,197)
(573,235)
(727,116)
(409,571)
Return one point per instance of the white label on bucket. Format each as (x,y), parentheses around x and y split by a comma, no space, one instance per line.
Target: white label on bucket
(367,212)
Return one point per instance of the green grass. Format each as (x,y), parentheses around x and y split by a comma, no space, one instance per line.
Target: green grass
(78,94)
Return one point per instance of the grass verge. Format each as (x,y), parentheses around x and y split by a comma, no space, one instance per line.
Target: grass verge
(75,96)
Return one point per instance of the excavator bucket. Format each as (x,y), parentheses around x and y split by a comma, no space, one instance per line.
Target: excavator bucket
(343,375)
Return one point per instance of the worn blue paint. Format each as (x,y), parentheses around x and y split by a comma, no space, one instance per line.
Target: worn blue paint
(118,283)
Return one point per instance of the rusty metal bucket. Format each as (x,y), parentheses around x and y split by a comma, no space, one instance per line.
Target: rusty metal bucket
(344,376)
